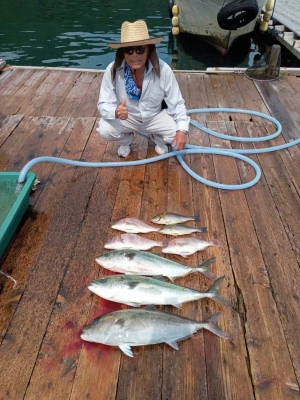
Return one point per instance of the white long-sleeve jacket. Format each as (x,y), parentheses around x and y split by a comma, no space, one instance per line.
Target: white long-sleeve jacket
(155,90)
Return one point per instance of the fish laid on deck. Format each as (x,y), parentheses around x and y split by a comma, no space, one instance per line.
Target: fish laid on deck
(132,241)
(140,290)
(172,218)
(135,262)
(179,230)
(139,327)
(133,225)
(187,246)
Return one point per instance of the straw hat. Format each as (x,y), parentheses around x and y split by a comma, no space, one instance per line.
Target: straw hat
(135,34)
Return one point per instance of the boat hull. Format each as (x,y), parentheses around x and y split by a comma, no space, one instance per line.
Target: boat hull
(199,17)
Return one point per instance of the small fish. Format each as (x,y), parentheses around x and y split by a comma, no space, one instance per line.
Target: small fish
(132,241)
(172,218)
(139,327)
(187,246)
(179,230)
(133,225)
(135,290)
(135,262)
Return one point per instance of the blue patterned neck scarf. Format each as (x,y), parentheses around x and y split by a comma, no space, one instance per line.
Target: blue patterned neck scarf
(133,92)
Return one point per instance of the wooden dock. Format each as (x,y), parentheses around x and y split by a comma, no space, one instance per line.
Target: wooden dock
(52,255)
(284,24)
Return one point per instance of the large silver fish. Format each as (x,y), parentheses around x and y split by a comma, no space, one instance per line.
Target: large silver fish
(132,241)
(135,262)
(172,218)
(139,327)
(187,246)
(136,290)
(133,225)
(178,230)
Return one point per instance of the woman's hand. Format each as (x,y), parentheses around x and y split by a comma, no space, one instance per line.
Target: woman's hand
(121,111)
(179,141)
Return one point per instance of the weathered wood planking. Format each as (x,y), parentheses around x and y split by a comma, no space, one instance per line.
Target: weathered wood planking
(53,112)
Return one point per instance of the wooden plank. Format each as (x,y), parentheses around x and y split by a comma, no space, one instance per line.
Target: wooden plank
(72,100)
(272,371)
(32,315)
(278,110)
(52,255)
(51,93)
(198,98)
(61,364)
(186,379)
(11,103)
(276,231)
(7,126)
(251,98)
(88,105)
(6,76)
(129,383)
(14,81)
(211,87)
(229,95)
(226,360)
(127,203)
(19,262)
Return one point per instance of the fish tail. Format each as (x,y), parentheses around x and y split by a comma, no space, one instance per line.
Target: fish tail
(211,324)
(215,295)
(215,242)
(203,230)
(204,268)
(196,218)
(164,243)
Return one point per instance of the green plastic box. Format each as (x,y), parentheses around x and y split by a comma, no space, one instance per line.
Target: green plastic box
(12,218)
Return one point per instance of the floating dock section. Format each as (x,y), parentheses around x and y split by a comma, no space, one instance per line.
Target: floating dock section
(282,19)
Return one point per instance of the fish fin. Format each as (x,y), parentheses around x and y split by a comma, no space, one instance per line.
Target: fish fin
(204,268)
(150,307)
(126,349)
(215,295)
(179,305)
(211,325)
(156,254)
(159,278)
(173,344)
(172,278)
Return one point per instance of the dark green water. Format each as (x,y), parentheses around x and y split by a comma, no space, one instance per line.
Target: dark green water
(73,33)
(7,198)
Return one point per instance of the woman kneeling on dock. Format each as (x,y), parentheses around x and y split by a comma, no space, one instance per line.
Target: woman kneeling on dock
(134,88)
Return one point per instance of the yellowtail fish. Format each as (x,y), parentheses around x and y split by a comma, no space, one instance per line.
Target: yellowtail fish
(140,327)
(133,225)
(132,241)
(180,230)
(135,262)
(172,218)
(135,290)
(187,246)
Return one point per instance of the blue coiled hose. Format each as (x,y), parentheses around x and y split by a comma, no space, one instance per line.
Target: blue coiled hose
(191,149)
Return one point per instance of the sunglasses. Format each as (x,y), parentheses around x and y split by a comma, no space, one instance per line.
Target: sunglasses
(137,49)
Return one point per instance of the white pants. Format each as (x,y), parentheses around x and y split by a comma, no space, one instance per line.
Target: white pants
(162,126)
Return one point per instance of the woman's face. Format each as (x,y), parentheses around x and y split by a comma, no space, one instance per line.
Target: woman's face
(136,56)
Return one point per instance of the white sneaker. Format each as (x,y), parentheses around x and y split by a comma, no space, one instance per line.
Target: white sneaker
(124,151)
(161,149)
